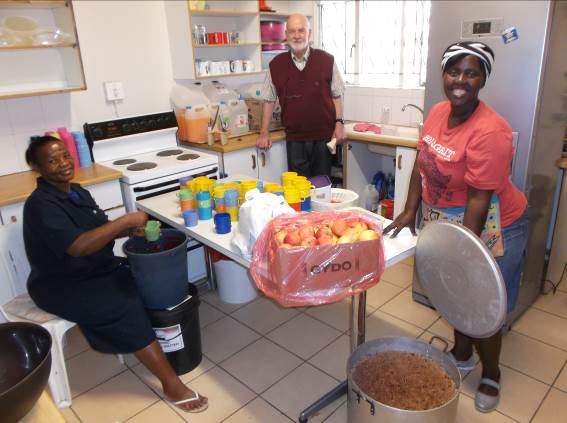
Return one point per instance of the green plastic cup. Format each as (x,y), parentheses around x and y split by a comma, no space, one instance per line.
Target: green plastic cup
(152,230)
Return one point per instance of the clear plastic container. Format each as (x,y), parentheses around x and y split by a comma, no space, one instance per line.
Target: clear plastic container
(238,117)
(196,123)
(217,92)
(370,198)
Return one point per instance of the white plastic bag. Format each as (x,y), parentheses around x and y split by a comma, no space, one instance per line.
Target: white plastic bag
(258,209)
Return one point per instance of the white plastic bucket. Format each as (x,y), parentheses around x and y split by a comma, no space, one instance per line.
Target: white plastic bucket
(233,283)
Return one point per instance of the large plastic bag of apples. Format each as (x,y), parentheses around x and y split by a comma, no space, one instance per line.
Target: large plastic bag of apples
(318,258)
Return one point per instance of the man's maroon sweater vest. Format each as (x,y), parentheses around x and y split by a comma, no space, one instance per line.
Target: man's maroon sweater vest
(308,111)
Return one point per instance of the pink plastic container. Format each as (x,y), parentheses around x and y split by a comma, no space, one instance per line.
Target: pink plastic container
(272,30)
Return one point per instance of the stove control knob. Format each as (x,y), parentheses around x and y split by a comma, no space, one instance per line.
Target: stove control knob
(152,124)
(126,128)
(97,133)
(142,125)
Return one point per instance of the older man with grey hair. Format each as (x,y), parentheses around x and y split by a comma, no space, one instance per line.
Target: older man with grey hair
(309,87)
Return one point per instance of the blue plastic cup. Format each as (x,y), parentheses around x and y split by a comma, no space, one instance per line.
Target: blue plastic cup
(204,205)
(231,197)
(183,180)
(222,223)
(190,217)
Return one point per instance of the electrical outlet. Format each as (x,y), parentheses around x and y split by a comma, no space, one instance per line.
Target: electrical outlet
(113,90)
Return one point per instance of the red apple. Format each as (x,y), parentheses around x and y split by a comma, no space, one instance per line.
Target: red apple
(286,245)
(293,238)
(368,235)
(308,242)
(323,230)
(325,239)
(280,236)
(338,227)
(306,232)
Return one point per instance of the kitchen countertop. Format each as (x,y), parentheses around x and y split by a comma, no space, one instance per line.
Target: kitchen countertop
(237,143)
(382,139)
(17,187)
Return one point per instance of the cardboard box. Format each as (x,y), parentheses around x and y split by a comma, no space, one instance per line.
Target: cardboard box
(255,115)
(325,272)
(310,275)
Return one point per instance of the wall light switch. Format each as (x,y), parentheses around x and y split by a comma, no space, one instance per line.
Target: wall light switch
(113,90)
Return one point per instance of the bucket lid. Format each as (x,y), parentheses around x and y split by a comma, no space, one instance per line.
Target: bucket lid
(461,278)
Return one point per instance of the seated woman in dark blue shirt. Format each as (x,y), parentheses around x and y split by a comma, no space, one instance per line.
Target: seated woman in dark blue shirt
(75,275)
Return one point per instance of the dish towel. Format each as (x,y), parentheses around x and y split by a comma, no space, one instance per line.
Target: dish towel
(367,127)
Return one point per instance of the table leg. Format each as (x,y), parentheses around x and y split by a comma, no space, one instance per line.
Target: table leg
(357,323)
(210,269)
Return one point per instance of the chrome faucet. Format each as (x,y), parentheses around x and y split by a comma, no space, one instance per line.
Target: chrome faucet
(420,125)
(415,107)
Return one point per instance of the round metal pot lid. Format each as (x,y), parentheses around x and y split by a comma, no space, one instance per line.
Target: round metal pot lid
(461,278)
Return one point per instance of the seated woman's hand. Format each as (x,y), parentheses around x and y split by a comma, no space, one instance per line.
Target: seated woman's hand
(404,219)
(137,222)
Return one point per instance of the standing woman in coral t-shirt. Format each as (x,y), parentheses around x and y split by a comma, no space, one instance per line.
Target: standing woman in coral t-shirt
(462,174)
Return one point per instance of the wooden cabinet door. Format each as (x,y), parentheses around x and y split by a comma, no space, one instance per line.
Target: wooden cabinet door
(405,158)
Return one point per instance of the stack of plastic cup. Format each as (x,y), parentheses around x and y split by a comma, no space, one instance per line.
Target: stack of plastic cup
(222,223)
(186,200)
(268,186)
(248,185)
(292,196)
(202,183)
(304,187)
(219,199)
(204,208)
(287,177)
(260,185)
(231,203)
(183,180)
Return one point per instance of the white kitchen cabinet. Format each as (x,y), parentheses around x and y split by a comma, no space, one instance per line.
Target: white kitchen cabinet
(29,69)
(12,213)
(241,17)
(363,160)
(405,158)
(241,162)
(272,162)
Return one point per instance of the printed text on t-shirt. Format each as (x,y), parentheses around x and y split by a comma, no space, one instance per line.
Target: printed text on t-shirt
(443,152)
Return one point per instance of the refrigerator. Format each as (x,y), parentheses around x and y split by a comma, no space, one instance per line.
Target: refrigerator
(528,87)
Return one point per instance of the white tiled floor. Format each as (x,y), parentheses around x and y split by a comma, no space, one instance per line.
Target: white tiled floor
(263,363)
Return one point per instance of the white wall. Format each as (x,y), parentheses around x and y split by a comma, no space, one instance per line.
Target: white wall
(120,40)
(367,105)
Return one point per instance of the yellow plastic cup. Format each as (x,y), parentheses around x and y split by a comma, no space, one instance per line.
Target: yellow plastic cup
(247,186)
(287,177)
(269,186)
(233,212)
(293,198)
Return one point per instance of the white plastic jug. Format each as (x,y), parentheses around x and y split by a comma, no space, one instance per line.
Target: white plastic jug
(224,120)
(217,92)
(182,96)
(238,117)
(196,123)
(370,198)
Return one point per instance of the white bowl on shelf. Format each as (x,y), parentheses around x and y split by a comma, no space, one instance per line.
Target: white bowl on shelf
(50,37)
(21,28)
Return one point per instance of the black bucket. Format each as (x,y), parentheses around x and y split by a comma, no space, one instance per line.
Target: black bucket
(160,268)
(179,334)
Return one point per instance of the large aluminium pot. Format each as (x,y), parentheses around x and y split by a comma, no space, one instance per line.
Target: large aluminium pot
(363,409)
(465,285)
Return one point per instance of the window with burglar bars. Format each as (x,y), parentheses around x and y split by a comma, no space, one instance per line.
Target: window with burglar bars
(377,42)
